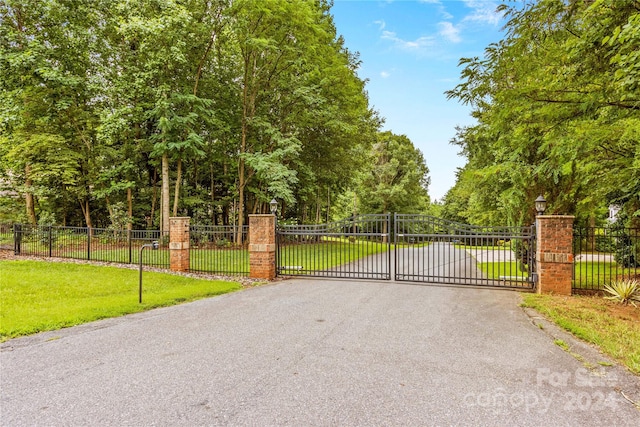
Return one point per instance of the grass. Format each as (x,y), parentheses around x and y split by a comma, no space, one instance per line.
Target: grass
(495,270)
(504,247)
(321,256)
(596,274)
(39,296)
(613,327)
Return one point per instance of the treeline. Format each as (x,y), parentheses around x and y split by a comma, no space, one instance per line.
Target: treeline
(124,113)
(557,104)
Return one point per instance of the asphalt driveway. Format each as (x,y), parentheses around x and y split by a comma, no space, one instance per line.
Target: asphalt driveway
(315,352)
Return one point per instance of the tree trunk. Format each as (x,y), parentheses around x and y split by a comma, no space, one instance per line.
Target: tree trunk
(176,194)
(214,214)
(84,204)
(130,208)
(165,194)
(29,199)
(240,204)
(153,199)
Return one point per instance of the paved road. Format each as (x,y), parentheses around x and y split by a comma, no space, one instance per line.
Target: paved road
(433,262)
(314,352)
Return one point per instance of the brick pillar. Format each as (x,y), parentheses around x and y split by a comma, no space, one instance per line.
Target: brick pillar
(262,246)
(554,254)
(179,243)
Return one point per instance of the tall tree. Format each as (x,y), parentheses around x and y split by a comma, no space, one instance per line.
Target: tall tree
(397,178)
(557,111)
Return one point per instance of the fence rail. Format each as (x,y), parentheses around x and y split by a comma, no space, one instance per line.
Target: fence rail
(603,255)
(213,249)
(92,244)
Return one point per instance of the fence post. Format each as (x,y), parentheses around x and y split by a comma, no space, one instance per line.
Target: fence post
(50,238)
(554,254)
(179,243)
(88,243)
(17,239)
(262,246)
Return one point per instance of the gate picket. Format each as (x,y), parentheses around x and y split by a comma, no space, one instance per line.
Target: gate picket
(435,250)
(355,248)
(425,249)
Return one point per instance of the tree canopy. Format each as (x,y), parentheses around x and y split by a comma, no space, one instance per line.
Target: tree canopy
(158,108)
(557,104)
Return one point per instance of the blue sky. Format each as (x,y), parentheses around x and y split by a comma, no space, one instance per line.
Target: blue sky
(410,51)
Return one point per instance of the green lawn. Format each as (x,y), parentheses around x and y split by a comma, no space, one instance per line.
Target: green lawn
(590,274)
(39,296)
(326,255)
(496,270)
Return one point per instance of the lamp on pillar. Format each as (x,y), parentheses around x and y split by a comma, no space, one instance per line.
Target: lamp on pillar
(541,205)
(273,205)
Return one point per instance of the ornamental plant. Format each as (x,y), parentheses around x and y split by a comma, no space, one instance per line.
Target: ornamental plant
(624,291)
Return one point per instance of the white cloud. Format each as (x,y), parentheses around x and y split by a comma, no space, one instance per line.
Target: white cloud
(381,24)
(385,74)
(483,11)
(449,32)
(417,44)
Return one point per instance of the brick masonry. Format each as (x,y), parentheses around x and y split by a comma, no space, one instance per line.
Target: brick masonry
(554,254)
(262,246)
(179,243)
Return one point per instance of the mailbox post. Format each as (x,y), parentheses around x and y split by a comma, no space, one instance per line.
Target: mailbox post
(154,246)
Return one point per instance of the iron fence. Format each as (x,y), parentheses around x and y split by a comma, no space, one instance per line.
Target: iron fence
(6,236)
(92,244)
(214,249)
(603,255)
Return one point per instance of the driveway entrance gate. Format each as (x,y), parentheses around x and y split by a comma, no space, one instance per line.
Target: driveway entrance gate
(409,248)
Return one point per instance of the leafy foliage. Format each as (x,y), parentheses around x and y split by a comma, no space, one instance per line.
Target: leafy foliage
(110,106)
(558,113)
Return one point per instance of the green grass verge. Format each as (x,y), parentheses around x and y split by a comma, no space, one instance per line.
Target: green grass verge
(40,296)
(613,328)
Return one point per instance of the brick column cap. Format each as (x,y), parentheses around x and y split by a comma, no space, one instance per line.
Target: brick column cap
(555,216)
(261,214)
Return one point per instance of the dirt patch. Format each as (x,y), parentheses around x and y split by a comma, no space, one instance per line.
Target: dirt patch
(7,254)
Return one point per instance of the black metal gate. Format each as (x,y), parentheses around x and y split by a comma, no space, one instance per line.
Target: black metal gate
(355,248)
(435,250)
(419,248)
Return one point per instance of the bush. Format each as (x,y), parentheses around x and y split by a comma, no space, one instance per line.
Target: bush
(627,254)
(521,249)
(605,244)
(627,247)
